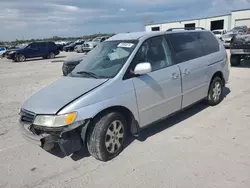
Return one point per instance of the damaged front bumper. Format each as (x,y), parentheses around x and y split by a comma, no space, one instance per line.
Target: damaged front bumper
(68,139)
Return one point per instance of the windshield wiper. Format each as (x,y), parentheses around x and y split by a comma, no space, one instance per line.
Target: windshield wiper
(91,74)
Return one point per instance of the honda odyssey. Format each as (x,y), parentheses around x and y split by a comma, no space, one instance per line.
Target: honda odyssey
(124,84)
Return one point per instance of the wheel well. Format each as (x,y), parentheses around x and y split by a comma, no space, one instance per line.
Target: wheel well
(128,115)
(218,74)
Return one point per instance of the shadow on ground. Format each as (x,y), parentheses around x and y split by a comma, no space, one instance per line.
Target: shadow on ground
(38,59)
(245,63)
(151,130)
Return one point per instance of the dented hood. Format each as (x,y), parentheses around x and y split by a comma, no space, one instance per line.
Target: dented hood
(59,94)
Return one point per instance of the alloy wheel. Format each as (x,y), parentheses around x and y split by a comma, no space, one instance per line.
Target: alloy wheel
(216,91)
(114,136)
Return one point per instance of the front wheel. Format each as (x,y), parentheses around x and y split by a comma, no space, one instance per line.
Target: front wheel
(20,58)
(51,55)
(215,93)
(106,138)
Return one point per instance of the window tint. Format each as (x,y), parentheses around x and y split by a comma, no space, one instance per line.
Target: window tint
(156,52)
(209,42)
(33,45)
(41,45)
(185,45)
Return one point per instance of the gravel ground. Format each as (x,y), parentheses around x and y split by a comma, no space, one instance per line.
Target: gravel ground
(200,147)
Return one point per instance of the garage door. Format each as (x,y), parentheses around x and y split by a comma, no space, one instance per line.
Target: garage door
(242,22)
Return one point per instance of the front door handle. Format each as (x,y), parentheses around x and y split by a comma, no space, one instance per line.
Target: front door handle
(186,72)
(175,76)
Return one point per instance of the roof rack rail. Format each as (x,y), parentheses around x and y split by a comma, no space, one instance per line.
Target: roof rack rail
(186,28)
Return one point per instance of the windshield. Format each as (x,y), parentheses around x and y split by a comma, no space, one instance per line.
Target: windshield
(217,32)
(106,60)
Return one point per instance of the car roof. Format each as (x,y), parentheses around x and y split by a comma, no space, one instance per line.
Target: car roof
(145,34)
(134,35)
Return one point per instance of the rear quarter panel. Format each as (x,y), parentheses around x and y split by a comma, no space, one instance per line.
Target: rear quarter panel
(218,62)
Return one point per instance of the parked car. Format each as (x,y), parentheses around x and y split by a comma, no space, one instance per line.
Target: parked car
(88,46)
(219,32)
(61,44)
(70,47)
(124,84)
(226,38)
(13,48)
(78,48)
(69,65)
(239,49)
(2,51)
(34,49)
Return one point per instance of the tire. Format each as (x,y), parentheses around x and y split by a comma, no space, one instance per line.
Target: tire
(51,55)
(103,140)
(235,60)
(215,93)
(20,58)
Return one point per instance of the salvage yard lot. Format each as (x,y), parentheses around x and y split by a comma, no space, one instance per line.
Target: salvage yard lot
(200,147)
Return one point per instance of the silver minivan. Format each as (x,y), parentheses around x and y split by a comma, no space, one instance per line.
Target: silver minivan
(126,83)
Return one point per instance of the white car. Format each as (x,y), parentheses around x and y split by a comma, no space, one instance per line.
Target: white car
(2,51)
(219,32)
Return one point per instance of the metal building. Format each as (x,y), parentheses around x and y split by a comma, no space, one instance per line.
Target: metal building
(227,22)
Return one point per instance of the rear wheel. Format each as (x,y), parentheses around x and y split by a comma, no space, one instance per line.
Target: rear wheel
(21,58)
(235,60)
(106,139)
(215,93)
(51,55)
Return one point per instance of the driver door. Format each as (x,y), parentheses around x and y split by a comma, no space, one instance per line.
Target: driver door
(31,51)
(158,92)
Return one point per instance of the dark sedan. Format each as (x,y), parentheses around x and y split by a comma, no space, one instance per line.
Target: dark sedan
(70,47)
(70,64)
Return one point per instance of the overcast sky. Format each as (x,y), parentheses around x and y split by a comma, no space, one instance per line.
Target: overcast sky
(45,18)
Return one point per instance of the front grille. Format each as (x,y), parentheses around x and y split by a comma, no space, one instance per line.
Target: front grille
(27,116)
(86,45)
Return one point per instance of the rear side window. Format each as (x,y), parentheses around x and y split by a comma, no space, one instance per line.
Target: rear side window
(185,45)
(208,42)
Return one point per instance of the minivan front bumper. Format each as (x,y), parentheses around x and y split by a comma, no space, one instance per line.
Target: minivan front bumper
(68,140)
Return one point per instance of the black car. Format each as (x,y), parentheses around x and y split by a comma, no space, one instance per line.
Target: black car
(239,48)
(35,49)
(70,64)
(70,47)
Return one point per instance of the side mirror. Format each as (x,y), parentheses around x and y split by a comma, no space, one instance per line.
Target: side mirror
(142,68)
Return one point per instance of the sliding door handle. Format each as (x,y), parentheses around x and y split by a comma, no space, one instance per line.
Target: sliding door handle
(175,76)
(185,72)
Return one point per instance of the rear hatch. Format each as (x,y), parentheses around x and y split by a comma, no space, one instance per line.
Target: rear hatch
(241,42)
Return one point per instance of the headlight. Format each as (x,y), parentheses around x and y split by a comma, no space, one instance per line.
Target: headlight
(91,45)
(54,120)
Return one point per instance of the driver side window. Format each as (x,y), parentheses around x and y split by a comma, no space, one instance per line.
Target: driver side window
(33,46)
(154,51)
